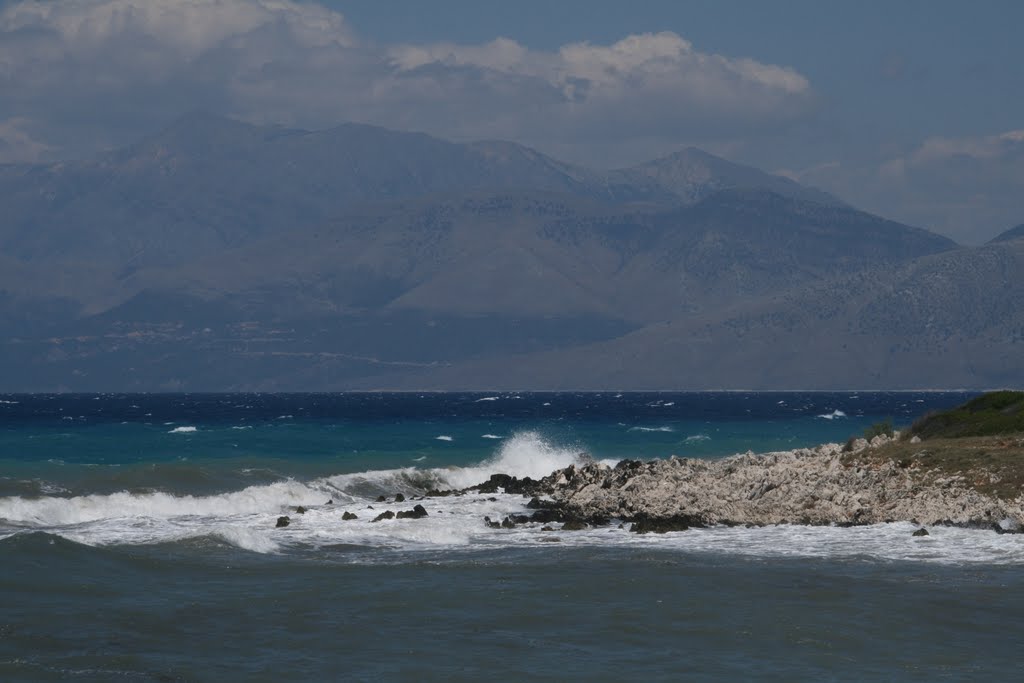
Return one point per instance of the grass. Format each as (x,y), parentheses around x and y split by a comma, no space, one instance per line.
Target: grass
(990,464)
(992,414)
(981,440)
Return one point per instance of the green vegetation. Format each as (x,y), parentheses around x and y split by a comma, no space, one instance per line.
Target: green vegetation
(981,440)
(879,429)
(995,413)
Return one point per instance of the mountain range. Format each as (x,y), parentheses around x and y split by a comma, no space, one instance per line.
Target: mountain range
(220,255)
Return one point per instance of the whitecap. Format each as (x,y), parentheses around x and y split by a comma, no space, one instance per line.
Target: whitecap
(665,428)
(183,430)
(491,436)
(444,437)
(487,398)
(833,415)
(698,437)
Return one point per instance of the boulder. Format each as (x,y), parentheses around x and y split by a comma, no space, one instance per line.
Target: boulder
(346,516)
(645,524)
(416,513)
(920,532)
(283,521)
(300,510)
(387,514)
(399,498)
(574,525)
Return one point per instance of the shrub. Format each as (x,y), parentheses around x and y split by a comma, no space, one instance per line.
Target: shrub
(879,429)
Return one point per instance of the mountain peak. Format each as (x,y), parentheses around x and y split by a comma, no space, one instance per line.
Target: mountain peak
(692,174)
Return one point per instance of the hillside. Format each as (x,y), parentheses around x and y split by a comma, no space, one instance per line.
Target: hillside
(218,255)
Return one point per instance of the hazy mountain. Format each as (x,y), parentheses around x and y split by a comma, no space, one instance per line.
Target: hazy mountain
(218,255)
(1011,234)
(693,174)
(207,183)
(941,321)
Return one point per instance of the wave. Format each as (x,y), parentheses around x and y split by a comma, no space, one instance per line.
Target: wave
(833,415)
(491,436)
(183,430)
(487,398)
(444,437)
(652,429)
(55,512)
(698,437)
(524,454)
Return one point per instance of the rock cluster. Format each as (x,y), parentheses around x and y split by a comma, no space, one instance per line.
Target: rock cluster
(822,485)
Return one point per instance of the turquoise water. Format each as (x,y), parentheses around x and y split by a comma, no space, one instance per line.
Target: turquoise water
(138,541)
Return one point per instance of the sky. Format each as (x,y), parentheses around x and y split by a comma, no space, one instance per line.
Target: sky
(913,110)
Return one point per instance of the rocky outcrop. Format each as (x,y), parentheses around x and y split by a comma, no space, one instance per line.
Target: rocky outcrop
(817,486)
(417,512)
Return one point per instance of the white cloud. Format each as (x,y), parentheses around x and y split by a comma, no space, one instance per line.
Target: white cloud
(100,70)
(966,187)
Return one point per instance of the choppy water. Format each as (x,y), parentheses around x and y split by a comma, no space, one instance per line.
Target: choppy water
(138,542)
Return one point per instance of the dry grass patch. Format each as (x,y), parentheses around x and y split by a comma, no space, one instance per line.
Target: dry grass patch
(990,464)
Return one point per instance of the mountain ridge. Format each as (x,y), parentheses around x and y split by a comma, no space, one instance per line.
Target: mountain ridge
(218,255)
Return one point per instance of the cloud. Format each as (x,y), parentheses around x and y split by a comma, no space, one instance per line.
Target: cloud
(92,73)
(966,187)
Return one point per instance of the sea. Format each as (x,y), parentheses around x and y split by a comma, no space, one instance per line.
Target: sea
(139,542)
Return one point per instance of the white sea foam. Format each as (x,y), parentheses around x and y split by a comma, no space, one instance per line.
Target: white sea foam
(243,427)
(256,540)
(247,520)
(833,415)
(10,403)
(698,437)
(445,437)
(491,436)
(53,511)
(487,398)
(183,430)
(524,454)
(652,429)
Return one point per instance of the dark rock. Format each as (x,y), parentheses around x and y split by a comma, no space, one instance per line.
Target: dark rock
(508,524)
(381,499)
(920,532)
(574,525)
(300,510)
(551,539)
(399,498)
(416,513)
(348,515)
(546,528)
(509,484)
(644,524)
(492,499)
(283,521)
(435,493)
(492,525)
(330,502)
(387,514)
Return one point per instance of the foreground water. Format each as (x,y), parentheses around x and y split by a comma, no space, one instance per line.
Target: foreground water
(138,542)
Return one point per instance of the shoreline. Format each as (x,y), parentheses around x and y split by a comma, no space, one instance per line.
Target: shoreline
(825,485)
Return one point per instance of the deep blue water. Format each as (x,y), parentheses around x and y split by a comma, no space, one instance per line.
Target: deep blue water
(138,542)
